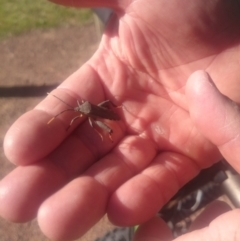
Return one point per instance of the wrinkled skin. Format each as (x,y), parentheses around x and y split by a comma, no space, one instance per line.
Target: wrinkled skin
(171,127)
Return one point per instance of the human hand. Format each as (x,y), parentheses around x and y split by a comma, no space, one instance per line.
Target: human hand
(209,110)
(70,179)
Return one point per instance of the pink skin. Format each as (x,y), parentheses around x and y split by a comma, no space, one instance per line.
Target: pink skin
(171,126)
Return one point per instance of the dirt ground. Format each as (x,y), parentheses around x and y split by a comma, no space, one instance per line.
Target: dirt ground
(30,65)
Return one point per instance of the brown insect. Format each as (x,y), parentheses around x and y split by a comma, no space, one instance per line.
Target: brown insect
(93,112)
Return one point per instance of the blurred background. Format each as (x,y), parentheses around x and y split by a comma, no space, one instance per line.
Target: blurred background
(41,44)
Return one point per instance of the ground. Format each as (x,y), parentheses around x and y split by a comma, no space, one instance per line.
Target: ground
(35,62)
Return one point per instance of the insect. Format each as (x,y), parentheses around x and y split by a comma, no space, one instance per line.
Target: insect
(93,112)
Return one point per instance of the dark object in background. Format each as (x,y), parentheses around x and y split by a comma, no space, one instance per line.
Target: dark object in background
(212,183)
(26,91)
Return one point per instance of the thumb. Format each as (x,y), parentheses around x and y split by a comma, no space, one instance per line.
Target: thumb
(224,227)
(215,115)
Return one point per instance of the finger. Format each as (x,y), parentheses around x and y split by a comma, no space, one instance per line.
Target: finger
(25,188)
(69,160)
(153,230)
(70,212)
(84,200)
(140,198)
(212,211)
(30,138)
(224,227)
(215,115)
(76,153)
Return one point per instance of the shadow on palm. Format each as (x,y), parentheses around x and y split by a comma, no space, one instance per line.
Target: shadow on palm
(148,72)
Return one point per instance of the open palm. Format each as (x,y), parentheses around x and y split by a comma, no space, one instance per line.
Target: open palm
(148,51)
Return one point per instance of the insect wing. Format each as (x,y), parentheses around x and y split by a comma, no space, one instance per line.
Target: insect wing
(101,112)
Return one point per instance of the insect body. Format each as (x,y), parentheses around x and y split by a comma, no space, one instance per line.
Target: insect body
(93,112)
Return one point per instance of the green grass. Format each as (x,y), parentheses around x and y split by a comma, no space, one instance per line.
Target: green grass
(18,16)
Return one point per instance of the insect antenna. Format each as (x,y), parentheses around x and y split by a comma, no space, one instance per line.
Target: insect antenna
(61,100)
(72,108)
(58,115)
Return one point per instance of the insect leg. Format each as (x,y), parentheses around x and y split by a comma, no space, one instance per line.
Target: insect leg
(104,127)
(107,104)
(58,115)
(75,118)
(91,121)
(51,120)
